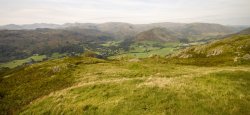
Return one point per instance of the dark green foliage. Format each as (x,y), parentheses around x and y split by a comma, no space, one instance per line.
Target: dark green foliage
(19,44)
(184,40)
(125,44)
(62,49)
(8,52)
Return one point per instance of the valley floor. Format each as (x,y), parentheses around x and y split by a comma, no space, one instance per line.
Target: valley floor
(148,86)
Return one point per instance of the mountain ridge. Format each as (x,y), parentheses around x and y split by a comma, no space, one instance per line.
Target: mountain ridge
(121,30)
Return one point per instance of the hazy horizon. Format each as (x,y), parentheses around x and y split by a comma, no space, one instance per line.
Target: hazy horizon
(225,12)
(122,22)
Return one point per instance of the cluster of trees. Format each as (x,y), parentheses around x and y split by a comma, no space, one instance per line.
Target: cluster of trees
(76,48)
(9,53)
(19,44)
(113,50)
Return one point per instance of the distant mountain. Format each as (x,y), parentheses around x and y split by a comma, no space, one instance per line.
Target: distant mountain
(158,34)
(11,27)
(29,26)
(245,32)
(192,31)
(205,28)
(201,31)
(118,30)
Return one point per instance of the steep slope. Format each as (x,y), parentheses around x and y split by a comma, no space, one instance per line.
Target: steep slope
(158,34)
(235,48)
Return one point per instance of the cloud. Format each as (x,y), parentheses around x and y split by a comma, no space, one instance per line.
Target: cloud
(132,11)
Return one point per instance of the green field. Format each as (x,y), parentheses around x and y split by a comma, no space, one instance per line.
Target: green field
(57,55)
(161,52)
(148,48)
(35,58)
(16,63)
(142,49)
(149,86)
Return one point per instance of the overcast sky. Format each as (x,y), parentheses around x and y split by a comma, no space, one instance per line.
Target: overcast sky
(229,12)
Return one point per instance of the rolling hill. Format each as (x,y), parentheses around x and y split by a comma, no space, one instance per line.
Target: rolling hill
(84,85)
(234,48)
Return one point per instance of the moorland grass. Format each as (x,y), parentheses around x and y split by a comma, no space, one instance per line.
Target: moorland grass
(22,85)
(223,92)
(82,85)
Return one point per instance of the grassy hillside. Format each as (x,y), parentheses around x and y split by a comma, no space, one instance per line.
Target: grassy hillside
(21,85)
(208,79)
(233,49)
(82,85)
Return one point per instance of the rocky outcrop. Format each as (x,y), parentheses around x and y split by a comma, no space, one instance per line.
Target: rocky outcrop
(186,56)
(214,52)
(246,57)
